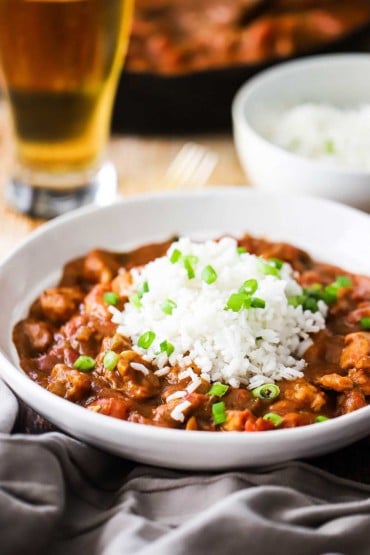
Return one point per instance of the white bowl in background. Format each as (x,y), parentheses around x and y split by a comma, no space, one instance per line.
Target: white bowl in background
(330,231)
(342,80)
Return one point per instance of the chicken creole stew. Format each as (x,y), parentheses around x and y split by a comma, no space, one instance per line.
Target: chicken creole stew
(225,335)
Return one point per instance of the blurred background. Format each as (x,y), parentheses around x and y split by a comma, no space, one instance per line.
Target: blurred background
(187,58)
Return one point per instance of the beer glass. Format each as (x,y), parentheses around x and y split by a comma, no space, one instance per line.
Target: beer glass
(61,61)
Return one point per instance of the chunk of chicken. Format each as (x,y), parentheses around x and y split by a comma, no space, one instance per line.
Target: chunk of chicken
(94,302)
(305,395)
(351,401)
(59,304)
(336,382)
(356,353)
(100,266)
(122,284)
(135,383)
(33,336)
(362,379)
(69,383)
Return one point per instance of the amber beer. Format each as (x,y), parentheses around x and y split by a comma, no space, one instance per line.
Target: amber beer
(61,60)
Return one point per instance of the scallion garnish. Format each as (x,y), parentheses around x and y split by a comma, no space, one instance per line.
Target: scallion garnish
(267,268)
(343,281)
(250,286)
(256,302)
(110,360)
(219,413)
(209,275)
(296,300)
(175,256)
(321,418)
(316,292)
(110,298)
(146,339)
(218,389)
(236,302)
(144,288)
(330,293)
(276,419)
(266,391)
(168,305)
(310,304)
(243,299)
(241,250)
(189,262)
(365,323)
(276,262)
(167,347)
(84,363)
(135,300)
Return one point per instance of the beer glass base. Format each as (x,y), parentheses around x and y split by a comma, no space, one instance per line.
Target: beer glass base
(47,203)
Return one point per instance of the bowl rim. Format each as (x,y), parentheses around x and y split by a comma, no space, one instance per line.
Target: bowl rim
(241,121)
(18,380)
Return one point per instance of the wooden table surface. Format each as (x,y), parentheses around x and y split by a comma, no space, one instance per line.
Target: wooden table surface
(141,164)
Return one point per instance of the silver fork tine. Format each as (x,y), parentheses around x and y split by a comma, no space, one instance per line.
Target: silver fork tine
(205,169)
(192,166)
(184,161)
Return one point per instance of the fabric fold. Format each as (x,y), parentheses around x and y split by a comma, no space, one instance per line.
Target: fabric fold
(59,496)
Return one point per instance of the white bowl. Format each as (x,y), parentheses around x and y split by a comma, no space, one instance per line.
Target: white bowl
(330,231)
(341,80)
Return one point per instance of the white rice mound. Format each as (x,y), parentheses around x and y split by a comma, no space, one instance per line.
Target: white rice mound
(251,347)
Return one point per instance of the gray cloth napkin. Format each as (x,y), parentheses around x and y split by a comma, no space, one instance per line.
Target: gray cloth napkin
(61,497)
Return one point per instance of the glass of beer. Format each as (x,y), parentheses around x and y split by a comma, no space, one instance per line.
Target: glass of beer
(61,60)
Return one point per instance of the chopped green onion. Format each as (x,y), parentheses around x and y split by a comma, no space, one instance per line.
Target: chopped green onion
(218,389)
(256,302)
(144,288)
(241,250)
(276,419)
(168,305)
(310,304)
(167,347)
(237,301)
(84,363)
(314,291)
(266,391)
(175,256)
(110,298)
(209,275)
(276,262)
(343,281)
(189,261)
(135,300)
(329,146)
(321,418)
(146,339)
(268,269)
(365,323)
(110,360)
(315,287)
(296,300)
(219,412)
(250,286)
(192,259)
(330,294)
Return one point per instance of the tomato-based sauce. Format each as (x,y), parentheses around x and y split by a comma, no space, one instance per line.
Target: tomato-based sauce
(73,320)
